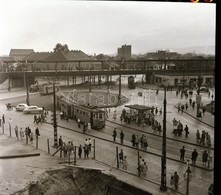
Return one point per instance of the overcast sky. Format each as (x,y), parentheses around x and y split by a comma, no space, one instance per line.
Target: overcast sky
(103,26)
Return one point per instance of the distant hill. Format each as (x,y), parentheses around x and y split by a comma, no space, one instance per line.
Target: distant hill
(196,49)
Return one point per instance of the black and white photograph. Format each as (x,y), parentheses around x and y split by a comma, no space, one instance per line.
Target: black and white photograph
(107,97)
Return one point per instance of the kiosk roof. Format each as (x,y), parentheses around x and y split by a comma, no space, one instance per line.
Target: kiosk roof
(139,107)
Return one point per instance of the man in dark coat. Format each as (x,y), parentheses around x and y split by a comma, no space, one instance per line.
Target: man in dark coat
(182,153)
(114,134)
(194,156)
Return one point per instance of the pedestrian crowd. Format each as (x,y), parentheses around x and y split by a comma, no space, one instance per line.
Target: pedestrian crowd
(206,156)
(68,148)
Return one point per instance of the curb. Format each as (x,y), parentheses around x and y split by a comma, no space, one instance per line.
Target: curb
(19,155)
(196,118)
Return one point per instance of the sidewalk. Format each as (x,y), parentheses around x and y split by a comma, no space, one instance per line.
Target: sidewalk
(30,168)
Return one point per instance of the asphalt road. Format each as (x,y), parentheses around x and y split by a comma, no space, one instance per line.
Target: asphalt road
(154,162)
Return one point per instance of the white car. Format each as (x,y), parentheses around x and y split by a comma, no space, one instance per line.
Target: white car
(21,107)
(204,89)
(33,110)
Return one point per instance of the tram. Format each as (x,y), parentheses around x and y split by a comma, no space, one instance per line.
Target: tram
(131,82)
(87,114)
(46,89)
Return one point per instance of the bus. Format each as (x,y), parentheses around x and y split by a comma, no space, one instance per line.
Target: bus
(46,89)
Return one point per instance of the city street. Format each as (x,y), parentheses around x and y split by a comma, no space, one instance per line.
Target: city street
(201,177)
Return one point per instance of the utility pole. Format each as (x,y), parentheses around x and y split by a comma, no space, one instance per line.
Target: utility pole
(55,118)
(163,186)
(198,96)
(119,94)
(27,88)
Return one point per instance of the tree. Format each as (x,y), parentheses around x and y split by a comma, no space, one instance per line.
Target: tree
(60,47)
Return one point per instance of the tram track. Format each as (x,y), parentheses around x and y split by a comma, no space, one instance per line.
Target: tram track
(148,151)
(154,134)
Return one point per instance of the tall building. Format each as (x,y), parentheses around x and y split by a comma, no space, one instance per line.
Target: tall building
(124,52)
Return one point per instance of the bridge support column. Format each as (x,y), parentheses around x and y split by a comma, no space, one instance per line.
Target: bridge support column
(99,79)
(74,80)
(9,84)
(68,80)
(94,79)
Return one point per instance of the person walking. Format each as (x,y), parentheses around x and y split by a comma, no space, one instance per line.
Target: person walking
(121,156)
(16,132)
(35,119)
(205,157)
(182,153)
(145,169)
(31,137)
(115,115)
(89,127)
(133,139)
(125,164)
(121,137)
(79,123)
(21,132)
(60,141)
(193,105)
(186,129)
(197,136)
(204,111)
(194,156)
(89,144)
(176,180)
(79,151)
(186,106)
(3,119)
(114,134)
(37,133)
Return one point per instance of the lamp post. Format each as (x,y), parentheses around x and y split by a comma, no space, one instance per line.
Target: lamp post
(163,186)
(198,96)
(55,118)
(149,97)
(119,94)
(26,84)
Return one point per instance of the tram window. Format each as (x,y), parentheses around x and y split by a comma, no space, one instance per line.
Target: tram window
(95,116)
(80,112)
(101,116)
(77,111)
(83,113)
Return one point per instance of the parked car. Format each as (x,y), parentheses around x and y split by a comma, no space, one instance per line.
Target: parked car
(34,88)
(21,107)
(204,89)
(33,110)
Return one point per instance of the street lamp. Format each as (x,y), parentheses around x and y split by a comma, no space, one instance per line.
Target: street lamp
(26,83)
(149,96)
(55,117)
(198,96)
(163,186)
